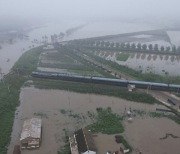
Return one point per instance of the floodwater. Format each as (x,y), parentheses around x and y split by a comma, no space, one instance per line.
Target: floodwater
(48,104)
(145,135)
(9,54)
(146,63)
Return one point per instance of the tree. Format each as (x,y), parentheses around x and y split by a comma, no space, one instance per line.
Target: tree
(144,47)
(168,49)
(178,49)
(139,46)
(97,43)
(117,45)
(112,44)
(128,46)
(174,49)
(102,43)
(150,46)
(122,45)
(156,48)
(133,46)
(107,44)
(162,48)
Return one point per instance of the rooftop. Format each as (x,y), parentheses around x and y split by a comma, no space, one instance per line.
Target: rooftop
(31,128)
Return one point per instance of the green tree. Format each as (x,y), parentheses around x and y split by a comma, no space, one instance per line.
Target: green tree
(128,46)
(112,44)
(156,48)
(139,46)
(97,43)
(102,43)
(144,47)
(117,45)
(168,49)
(162,48)
(107,44)
(133,46)
(178,49)
(150,46)
(174,49)
(122,45)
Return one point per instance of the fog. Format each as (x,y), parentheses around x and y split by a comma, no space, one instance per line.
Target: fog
(19,13)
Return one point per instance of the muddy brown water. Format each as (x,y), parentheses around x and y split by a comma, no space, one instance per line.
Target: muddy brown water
(50,102)
(144,135)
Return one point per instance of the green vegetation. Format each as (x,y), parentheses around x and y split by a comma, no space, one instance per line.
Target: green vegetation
(9,100)
(107,122)
(10,90)
(136,74)
(42,115)
(9,94)
(122,56)
(169,116)
(65,149)
(27,62)
(96,89)
(121,139)
(97,44)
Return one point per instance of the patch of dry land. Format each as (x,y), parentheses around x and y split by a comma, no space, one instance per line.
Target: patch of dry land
(65,112)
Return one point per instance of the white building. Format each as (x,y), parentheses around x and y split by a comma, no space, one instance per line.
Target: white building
(82,142)
(31,133)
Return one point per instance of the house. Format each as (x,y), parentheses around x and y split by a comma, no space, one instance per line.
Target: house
(82,142)
(31,133)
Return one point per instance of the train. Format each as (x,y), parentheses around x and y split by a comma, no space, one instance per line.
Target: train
(107,81)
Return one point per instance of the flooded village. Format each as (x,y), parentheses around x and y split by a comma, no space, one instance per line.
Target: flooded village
(74,82)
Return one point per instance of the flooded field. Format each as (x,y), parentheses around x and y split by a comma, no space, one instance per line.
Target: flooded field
(10,53)
(146,63)
(49,105)
(150,136)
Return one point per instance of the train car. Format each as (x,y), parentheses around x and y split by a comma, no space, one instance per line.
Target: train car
(108,81)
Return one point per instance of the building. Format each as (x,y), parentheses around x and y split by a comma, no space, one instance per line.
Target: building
(31,133)
(82,142)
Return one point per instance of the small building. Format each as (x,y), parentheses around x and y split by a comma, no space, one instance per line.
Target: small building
(82,142)
(31,133)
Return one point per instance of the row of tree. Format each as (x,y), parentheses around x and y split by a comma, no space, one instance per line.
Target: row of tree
(127,46)
(133,46)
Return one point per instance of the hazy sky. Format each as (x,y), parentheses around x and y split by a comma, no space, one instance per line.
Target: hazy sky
(90,9)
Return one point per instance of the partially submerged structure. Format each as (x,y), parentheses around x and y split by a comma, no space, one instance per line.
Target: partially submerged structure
(31,133)
(82,142)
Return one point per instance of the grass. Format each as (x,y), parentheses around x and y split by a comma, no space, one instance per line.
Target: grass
(133,73)
(65,149)
(107,122)
(9,93)
(173,117)
(163,115)
(123,56)
(95,89)
(27,62)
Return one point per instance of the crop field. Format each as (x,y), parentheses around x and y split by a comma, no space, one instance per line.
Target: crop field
(61,60)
